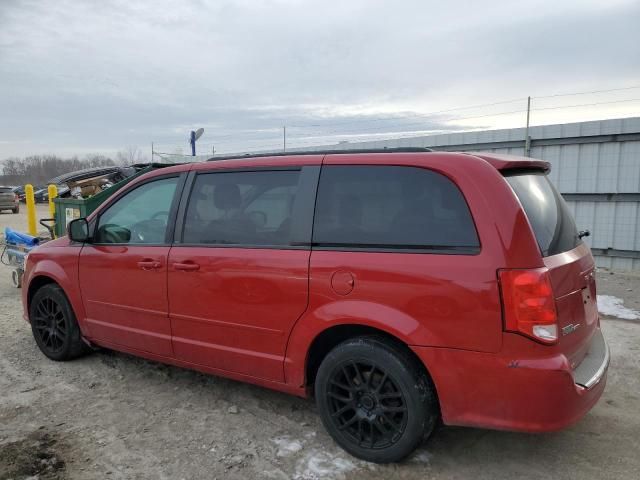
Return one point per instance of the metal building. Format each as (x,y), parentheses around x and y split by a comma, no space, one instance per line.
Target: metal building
(596,166)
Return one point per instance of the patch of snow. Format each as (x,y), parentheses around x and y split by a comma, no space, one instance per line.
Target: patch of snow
(421,457)
(287,446)
(614,307)
(319,465)
(275,474)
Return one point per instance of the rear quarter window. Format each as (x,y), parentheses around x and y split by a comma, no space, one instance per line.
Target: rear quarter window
(552,223)
(391,207)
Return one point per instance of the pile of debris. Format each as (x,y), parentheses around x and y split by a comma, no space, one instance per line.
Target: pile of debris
(91,181)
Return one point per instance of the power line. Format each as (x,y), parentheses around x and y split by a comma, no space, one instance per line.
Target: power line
(417,115)
(319,143)
(361,121)
(432,114)
(250,132)
(587,93)
(332,133)
(437,112)
(587,104)
(455,119)
(449,119)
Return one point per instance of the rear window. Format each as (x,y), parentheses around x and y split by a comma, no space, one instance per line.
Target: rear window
(548,214)
(6,190)
(391,207)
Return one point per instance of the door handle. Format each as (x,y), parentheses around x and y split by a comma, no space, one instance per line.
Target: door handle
(186,267)
(148,264)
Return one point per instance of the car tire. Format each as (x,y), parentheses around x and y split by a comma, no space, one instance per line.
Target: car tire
(16,209)
(375,399)
(54,324)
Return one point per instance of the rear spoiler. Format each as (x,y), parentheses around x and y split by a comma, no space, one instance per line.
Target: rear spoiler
(512,163)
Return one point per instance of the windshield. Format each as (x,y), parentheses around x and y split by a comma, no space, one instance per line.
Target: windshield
(548,214)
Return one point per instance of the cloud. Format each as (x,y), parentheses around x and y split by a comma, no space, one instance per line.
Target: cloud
(96,76)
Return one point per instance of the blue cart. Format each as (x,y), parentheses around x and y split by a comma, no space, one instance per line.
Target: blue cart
(16,246)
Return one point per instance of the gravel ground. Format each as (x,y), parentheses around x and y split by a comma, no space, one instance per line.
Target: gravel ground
(109,415)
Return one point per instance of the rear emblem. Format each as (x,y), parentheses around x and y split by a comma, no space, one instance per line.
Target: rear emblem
(570,328)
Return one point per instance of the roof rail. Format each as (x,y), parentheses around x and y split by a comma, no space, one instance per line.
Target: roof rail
(323,152)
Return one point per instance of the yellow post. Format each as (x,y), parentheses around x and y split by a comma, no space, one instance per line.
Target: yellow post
(53,193)
(31,210)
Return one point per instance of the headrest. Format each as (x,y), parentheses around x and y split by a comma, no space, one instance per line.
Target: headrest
(227,196)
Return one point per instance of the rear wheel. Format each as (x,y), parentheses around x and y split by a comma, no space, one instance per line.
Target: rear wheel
(375,399)
(16,209)
(54,325)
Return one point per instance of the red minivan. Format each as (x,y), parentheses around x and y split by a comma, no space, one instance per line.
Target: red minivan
(397,287)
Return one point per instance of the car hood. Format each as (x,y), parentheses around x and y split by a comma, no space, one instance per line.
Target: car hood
(58,242)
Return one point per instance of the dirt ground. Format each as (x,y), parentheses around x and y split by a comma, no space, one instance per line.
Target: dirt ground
(109,415)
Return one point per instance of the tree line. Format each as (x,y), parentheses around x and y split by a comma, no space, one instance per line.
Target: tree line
(39,169)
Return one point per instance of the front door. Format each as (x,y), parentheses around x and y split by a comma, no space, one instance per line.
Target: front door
(123,271)
(238,280)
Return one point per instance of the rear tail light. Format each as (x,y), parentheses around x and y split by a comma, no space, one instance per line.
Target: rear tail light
(529,304)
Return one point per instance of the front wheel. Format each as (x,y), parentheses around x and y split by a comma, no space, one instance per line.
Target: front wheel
(54,325)
(375,399)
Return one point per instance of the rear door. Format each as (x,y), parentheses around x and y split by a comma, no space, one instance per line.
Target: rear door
(567,257)
(238,272)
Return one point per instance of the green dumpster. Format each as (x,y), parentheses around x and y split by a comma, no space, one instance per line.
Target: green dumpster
(67,209)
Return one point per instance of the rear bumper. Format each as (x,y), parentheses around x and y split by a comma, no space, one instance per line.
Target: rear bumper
(595,364)
(537,392)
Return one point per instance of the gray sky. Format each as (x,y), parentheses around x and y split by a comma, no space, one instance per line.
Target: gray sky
(98,76)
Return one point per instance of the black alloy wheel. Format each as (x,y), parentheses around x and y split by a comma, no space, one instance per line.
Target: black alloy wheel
(49,323)
(366,404)
(54,325)
(375,398)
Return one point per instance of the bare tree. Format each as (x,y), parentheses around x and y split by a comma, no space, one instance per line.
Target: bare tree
(130,156)
(98,160)
(38,169)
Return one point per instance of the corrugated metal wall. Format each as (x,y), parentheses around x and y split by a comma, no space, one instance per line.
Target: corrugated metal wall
(596,166)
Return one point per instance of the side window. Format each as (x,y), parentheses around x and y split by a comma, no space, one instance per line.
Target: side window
(391,207)
(241,208)
(140,216)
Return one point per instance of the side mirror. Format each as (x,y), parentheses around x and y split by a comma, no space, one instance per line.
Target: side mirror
(79,230)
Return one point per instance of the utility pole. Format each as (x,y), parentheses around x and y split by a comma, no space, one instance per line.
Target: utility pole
(527,139)
(284,139)
(151,152)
